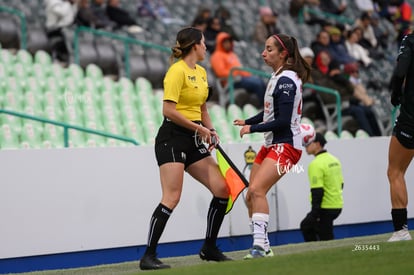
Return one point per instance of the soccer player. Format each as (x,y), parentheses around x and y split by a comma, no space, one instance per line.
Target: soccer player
(401,148)
(280,123)
(326,183)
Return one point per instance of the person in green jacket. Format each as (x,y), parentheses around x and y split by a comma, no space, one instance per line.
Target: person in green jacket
(326,184)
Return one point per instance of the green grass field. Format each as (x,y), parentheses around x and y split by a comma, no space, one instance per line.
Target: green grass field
(361,255)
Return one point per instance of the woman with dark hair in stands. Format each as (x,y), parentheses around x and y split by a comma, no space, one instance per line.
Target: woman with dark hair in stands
(179,146)
(280,123)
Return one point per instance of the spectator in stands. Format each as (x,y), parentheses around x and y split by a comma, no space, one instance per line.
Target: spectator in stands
(200,20)
(326,185)
(355,50)
(211,32)
(401,149)
(224,59)
(98,8)
(266,26)
(368,40)
(60,14)
(351,70)
(381,34)
(337,47)
(331,7)
(321,43)
(121,17)
(200,23)
(157,10)
(328,74)
(401,17)
(365,5)
(204,12)
(224,15)
(86,17)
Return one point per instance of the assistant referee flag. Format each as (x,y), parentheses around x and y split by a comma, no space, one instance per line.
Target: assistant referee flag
(235,180)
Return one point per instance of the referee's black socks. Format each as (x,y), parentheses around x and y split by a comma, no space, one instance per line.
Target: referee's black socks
(399,218)
(157,224)
(215,218)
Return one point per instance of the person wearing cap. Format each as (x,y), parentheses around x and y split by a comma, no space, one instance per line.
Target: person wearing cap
(326,185)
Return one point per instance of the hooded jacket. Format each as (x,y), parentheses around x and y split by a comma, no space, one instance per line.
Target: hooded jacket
(223,61)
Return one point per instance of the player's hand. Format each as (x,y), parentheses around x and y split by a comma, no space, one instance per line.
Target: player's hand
(239,122)
(244,130)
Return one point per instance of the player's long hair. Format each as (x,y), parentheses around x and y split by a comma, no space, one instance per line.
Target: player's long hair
(186,39)
(294,61)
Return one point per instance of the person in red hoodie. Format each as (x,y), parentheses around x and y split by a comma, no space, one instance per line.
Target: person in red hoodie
(224,59)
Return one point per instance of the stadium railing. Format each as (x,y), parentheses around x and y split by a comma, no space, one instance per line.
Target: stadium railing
(23,24)
(317,88)
(125,39)
(66,128)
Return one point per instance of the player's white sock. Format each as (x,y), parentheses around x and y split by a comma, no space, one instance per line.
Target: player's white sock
(260,222)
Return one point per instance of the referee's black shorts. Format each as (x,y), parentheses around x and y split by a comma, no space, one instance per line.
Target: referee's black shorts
(404,132)
(174,143)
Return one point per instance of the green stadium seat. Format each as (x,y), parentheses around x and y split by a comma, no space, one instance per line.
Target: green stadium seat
(24,57)
(75,71)
(40,72)
(53,99)
(31,133)
(12,101)
(133,130)
(108,98)
(108,85)
(249,110)
(345,134)
(125,85)
(76,138)
(54,85)
(43,58)
(57,71)
(142,84)
(94,72)
(330,135)
(34,84)
(21,71)
(7,58)
(53,134)
(361,134)
(9,137)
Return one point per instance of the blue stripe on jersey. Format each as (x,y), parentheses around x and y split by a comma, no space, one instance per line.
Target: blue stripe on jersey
(282,109)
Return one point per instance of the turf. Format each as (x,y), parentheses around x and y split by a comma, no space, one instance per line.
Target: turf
(361,255)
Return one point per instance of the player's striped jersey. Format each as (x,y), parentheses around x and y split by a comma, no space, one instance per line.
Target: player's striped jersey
(282,110)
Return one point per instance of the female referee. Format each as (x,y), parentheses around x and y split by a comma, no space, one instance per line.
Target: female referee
(179,146)
(280,123)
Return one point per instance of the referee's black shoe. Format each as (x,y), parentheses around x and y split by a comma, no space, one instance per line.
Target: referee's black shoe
(150,262)
(212,253)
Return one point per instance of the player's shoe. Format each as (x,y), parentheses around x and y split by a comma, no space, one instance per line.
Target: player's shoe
(258,252)
(212,253)
(150,262)
(401,235)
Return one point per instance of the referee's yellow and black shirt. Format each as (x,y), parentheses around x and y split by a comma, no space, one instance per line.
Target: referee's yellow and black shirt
(188,87)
